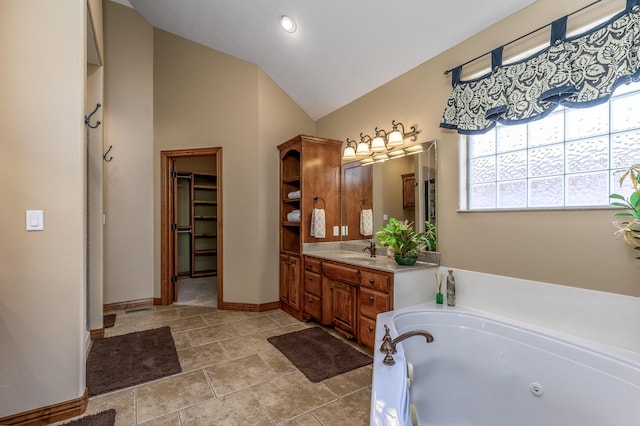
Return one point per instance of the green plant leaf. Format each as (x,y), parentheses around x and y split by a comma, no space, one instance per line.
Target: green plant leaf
(623,214)
(616,196)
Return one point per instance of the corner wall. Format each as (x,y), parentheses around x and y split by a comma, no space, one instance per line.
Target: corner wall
(573,248)
(42,273)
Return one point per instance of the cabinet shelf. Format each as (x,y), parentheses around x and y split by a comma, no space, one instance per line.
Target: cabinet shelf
(206,252)
(291,200)
(205,217)
(291,224)
(207,273)
(206,235)
(293,179)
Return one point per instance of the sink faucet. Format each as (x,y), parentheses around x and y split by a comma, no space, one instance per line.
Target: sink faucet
(371,248)
(388,346)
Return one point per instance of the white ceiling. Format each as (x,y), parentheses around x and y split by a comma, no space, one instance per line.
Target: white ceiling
(342,49)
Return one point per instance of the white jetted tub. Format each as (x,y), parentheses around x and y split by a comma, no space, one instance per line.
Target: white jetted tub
(484,370)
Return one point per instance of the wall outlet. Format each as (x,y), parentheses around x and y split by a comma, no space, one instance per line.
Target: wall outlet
(385,217)
(345,230)
(336,231)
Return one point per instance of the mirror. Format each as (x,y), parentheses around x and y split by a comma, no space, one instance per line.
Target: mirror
(402,187)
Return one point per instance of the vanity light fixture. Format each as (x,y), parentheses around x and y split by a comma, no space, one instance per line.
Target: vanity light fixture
(288,24)
(349,150)
(383,143)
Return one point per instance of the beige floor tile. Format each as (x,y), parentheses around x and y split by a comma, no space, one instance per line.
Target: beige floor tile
(224,317)
(254,325)
(195,310)
(242,346)
(351,410)
(169,420)
(283,318)
(201,356)
(144,318)
(290,395)
(211,333)
(182,324)
(165,396)
(238,374)
(303,420)
(351,381)
(240,408)
(181,340)
(278,362)
(124,320)
(284,329)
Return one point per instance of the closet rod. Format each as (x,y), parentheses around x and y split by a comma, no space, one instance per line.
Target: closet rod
(520,38)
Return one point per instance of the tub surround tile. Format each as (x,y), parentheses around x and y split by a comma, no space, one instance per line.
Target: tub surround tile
(239,374)
(254,325)
(202,356)
(240,408)
(291,395)
(165,396)
(352,409)
(209,334)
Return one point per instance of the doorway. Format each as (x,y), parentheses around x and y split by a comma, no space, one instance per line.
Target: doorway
(191,227)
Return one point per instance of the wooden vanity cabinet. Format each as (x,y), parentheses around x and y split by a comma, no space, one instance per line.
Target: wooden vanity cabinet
(375,296)
(290,284)
(312,290)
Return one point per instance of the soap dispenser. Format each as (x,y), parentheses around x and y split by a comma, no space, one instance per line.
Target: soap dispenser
(451,289)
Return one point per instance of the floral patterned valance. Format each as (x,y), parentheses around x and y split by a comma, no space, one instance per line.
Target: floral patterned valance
(577,72)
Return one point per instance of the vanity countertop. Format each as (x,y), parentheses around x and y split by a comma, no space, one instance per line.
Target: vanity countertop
(363,259)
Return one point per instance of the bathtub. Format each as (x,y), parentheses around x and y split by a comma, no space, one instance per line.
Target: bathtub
(487,370)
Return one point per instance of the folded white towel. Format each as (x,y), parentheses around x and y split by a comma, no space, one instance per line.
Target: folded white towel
(318,228)
(293,216)
(366,222)
(294,194)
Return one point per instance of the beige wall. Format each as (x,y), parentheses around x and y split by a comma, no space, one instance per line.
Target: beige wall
(42,273)
(575,248)
(128,178)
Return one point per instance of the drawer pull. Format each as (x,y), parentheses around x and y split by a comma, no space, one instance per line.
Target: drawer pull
(372,298)
(370,328)
(331,288)
(371,280)
(310,300)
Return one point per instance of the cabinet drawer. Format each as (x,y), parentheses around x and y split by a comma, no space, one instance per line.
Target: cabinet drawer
(343,273)
(312,306)
(367,332)
(372,303)
(312,265)
(376,281)
(312,283)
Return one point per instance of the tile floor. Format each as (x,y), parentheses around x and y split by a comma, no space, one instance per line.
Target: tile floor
(231,375)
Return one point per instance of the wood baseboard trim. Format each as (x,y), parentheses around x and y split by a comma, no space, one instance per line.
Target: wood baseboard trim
(49,414)
(96,334)
(157,301)
(132,304)
(249,307)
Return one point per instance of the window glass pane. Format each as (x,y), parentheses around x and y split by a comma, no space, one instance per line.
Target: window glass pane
(625,190)
(512,165)
(483,196)
(547,130)
(511,138)
(546,161)
(587,155)
(512,194)
(624,112)
(483,169)
(484,144)
(625,148)
(546,192)
(588,189)
(585,122)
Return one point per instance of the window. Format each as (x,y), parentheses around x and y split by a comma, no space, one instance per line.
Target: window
(564,160)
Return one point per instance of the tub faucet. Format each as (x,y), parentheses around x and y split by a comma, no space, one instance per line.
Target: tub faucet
(388,346)
(371,248)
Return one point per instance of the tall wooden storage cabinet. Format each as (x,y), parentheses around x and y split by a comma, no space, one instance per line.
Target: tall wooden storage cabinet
(309,176)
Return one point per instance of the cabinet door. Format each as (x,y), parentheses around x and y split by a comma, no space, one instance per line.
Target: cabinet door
(284,278)
(293,282)
(343,307)
(367,332)
(408,191)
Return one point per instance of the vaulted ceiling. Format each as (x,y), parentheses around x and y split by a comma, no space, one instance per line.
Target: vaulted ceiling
(341,49)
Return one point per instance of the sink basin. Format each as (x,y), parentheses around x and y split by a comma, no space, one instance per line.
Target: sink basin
(358,257)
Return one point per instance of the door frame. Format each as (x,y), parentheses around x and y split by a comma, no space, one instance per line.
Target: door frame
(167,249)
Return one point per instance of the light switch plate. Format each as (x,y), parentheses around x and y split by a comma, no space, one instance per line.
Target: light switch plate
(35,220)
(336,231)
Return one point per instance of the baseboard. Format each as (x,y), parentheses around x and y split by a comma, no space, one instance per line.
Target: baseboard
(96,334)
(249,307)
(157,301)
(49,414)
(132,304)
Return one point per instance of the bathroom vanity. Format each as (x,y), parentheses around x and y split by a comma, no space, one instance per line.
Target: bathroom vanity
(347,289)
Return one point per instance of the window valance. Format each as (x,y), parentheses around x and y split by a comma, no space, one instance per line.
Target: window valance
(575,72)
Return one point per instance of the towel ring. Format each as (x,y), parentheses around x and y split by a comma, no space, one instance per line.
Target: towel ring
(362,201)
(315,199)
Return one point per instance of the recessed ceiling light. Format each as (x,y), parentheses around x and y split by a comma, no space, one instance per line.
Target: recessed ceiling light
(288,24)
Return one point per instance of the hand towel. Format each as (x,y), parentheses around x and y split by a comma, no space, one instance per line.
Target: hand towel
(366,222)
(293,216)
(294,194)
(318,228)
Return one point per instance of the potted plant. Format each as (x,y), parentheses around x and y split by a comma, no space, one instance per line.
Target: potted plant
(629,228)
(400,237)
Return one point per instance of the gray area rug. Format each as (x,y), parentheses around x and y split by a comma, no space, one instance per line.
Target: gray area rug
(103,418)
(122,361)
(317,354)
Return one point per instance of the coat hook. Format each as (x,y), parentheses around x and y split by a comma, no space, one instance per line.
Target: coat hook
(87,118)
(105,154)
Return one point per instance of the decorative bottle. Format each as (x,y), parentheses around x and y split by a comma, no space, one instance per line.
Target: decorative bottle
(451,289)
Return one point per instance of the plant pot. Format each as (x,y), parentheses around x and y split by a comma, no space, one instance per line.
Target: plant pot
(405,260)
